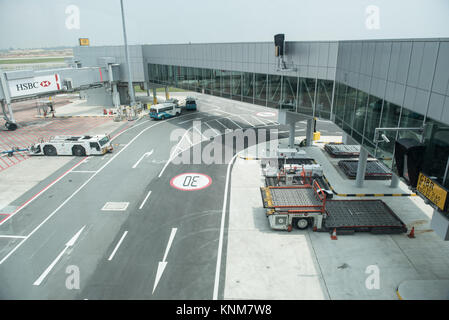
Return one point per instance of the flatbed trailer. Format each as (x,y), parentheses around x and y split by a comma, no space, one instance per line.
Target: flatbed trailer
(301,206)
(375,170)
(349,216)
(342,150)
(298,206)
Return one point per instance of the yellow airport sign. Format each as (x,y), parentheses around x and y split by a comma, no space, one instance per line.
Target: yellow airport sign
(84,41)
(432,191)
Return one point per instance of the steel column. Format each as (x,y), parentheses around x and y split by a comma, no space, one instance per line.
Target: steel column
(361,168)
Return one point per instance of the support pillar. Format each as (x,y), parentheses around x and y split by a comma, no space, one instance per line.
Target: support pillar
(394,181)
(291,138)
(154,96)
(361,168)
(167,93)
(309,133)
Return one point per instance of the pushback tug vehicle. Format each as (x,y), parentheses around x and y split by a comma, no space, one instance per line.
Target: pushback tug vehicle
(164,111)
(72,145)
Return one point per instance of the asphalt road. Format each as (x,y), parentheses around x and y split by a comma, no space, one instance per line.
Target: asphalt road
(165,244)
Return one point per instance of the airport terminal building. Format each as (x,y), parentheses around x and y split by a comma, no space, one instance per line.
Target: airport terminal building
(359,85)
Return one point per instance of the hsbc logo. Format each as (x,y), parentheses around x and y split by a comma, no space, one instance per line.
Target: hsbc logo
(27,86)
(34,85)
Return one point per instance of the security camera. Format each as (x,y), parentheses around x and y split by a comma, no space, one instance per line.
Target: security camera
(384,137)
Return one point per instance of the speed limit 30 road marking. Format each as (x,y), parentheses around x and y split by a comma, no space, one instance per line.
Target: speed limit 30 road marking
(191,181)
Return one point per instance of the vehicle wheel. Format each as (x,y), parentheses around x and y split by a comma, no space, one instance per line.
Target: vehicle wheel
(11,126)
(177,113)
(78,151)
(302,223)
(163,118)
(50,151)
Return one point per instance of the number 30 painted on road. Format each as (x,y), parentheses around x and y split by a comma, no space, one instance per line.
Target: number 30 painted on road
(191,181)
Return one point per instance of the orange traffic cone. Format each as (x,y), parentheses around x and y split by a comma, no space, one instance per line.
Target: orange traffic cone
(411,235)
(289,228)
(315,228)
(334,234)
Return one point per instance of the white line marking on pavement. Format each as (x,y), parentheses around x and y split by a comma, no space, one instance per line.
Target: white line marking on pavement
(145,200)
(234,122)
(264,123)
(146,154)
(216,131)
(222,124)
(79,189)
(42,191)
(162,264)
(118,245)
(8,236)
(69,244)
(173,154)
(245,120)
(220,241)
(190,120)
(81,171)
(202,135)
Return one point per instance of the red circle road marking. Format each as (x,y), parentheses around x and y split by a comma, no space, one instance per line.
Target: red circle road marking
(191,181)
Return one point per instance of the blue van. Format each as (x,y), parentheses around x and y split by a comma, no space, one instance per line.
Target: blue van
(190,103)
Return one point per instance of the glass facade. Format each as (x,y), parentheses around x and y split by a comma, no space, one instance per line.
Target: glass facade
(295,94)
(357,112)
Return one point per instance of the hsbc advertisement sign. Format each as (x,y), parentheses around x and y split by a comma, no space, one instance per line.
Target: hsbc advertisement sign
(36,85)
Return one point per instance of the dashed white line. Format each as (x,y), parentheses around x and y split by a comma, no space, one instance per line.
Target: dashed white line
(76,191)
(264,123)
(145,200)
(117,246)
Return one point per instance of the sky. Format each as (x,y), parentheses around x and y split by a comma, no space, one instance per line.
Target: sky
(50,23)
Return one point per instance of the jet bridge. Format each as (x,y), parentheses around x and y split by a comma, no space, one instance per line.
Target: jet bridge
(31,84)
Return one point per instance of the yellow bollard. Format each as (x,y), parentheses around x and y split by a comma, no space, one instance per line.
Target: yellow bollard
(316,136)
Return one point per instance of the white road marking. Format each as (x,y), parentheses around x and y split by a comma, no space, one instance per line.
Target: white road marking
(117,246)
(146,154)
(173,154)
(83,171)
(234,122)
(220,241)
(8,236)
(264,123)
(216,131)
(202,135)
(115,206)
(222,124)
(162,264)
(190,120)
(69,244)
(145,200)
(245,120)
(78,190)
(41,192)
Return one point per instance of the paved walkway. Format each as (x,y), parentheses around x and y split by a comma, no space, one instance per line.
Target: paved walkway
(266,264)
